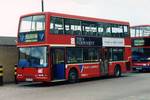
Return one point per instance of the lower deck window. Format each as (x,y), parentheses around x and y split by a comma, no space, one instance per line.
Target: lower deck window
(74,55)
(90,54)
(82,55)
(116,54)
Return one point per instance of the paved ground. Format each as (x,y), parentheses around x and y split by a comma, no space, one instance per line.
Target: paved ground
(135,86)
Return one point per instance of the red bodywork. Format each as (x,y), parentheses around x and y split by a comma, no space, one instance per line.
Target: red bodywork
(141,65)
(88,70)
(24,74)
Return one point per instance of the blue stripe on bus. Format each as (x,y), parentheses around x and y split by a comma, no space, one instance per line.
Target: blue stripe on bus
(81,68)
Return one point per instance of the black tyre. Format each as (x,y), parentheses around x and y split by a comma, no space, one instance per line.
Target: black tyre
(117,71)
(73,76)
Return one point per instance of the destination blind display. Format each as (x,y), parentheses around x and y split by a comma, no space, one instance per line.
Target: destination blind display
(141,42)
(31,36)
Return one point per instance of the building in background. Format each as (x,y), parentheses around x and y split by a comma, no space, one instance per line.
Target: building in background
(8,57)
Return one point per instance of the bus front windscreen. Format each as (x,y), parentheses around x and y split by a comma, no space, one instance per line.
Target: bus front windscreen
(33,57)
(32,29)
(140,54)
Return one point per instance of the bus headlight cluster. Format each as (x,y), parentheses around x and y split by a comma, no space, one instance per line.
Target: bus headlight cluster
(19,75)
(41,75)
(144,64)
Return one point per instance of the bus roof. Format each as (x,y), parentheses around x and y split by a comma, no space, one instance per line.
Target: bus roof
(79,17)
(145,25)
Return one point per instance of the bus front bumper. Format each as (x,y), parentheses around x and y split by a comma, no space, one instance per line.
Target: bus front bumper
(24,78)
(141,68)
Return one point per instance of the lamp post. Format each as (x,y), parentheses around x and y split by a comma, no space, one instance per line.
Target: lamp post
(42,4)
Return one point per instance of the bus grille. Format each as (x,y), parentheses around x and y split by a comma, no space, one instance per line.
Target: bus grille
(28,76)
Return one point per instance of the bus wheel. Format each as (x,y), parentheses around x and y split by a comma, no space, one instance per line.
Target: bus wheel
(117,71)
(73,76)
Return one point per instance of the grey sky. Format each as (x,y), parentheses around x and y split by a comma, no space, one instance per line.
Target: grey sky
(134,11)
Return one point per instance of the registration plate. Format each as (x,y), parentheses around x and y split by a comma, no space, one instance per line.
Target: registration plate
(29,79)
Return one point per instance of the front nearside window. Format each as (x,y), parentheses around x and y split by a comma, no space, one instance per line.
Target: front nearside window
(140,54)
(32,29)
(33,57)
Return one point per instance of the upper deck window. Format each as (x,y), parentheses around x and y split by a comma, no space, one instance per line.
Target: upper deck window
(32,23)
(56,25)
(72,26)
(60,25)
(100,30)
(140,31)
(32,29)
(117,30)
(107,30)
(89,28)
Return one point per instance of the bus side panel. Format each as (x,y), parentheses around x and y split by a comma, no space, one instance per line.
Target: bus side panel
(128,58)
(127,54)
(127,41)
(85,70)
(56,39)
(89,70)
(112,67)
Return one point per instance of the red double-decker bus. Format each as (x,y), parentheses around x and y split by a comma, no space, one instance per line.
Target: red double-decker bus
(56,47)
(140,47)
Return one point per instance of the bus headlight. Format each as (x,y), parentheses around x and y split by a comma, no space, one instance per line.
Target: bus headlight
(144,64)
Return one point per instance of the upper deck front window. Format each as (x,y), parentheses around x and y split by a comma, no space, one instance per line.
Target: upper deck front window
(32,28)
(140,31)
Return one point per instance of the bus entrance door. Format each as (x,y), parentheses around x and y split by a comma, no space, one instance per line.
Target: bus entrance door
(58,63)
(104,61)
